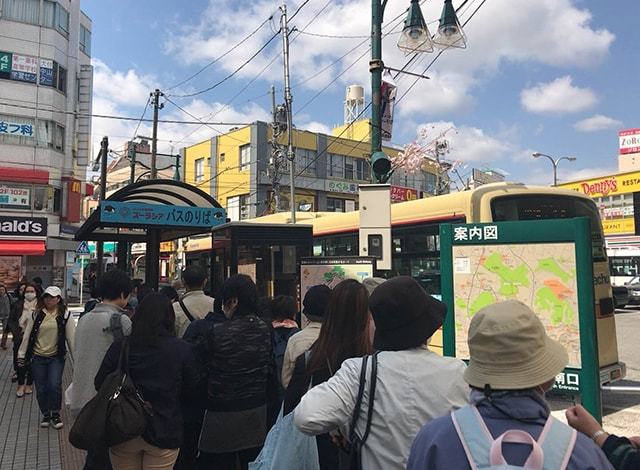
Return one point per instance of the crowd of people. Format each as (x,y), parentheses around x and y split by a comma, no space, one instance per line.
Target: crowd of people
(353,368)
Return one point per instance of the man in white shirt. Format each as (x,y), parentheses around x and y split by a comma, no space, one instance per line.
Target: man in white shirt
(194,305)
(314,306)
(412,384)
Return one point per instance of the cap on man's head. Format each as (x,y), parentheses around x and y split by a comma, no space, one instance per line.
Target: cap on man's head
(404,314)
(316,301)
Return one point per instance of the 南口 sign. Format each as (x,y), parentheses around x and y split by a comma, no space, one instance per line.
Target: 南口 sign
(156,214)
(14,196)
(23,226)
(629,141)
(21,129)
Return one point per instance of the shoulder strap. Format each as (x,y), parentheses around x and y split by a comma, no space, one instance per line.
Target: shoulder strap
(557,441)
(372,395)
(66,316)
(115,326)
(356,409)
(185,310)
(474,435)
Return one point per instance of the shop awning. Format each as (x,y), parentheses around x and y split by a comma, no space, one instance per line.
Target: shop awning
(22,247)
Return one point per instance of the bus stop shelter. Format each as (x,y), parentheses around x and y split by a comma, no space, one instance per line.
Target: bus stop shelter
(151,212)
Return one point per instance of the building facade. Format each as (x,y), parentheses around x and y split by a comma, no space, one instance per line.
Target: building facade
(234,168)
(45,133)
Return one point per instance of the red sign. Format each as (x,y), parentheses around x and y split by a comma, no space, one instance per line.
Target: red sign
(74,200)
(604,187)
(400,194)
(18,175)
(629,141)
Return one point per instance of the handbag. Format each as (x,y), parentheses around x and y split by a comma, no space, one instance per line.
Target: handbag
(286,447)
(354,446)
(116,414)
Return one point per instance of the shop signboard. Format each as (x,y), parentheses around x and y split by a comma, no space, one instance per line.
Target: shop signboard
(547,265)
(15,196)
(46,72)
(17,128)
(400,194)
(629,140)
(24,68)
(342,187)
(23,226)
(5,64)
(134,213)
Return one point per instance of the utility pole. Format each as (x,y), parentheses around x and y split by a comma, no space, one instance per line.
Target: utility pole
(274,165)
(104,151)
(132,162)
(155,97)
(288,99)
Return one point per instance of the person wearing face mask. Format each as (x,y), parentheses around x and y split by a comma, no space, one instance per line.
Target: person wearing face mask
(48,335)
(24,309)
(513,363)
(240,371)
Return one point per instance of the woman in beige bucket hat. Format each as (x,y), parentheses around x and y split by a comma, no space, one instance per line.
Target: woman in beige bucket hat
(512,364)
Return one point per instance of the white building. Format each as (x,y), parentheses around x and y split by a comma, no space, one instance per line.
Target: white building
(45,132)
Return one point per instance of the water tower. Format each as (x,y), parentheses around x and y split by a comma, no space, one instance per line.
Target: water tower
(354,103)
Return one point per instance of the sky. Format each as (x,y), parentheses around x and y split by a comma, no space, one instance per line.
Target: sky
(551,76)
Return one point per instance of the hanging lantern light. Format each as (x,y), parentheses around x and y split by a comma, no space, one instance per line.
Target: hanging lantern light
(415,36)
(450,32)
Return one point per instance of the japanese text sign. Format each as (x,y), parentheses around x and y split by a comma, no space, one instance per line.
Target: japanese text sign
(156,214)
(16,128)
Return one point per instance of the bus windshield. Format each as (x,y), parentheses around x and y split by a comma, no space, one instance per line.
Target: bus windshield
(542,206)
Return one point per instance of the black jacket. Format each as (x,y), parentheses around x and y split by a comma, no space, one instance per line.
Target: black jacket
(238,359)
(166,377)
(15,312)
(61,321)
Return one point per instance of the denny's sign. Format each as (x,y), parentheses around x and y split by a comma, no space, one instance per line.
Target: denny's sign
(600,187)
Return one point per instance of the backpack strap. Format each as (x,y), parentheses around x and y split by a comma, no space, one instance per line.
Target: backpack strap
(474,436)
(185,309)
(372,395)
(557,441)
(358,405)
(115,326)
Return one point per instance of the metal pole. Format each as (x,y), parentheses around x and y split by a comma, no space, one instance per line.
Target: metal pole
(555,172)
(275,152)
(81,277)
(104,150)
(375,67)
(132,164)
(288,99)
(154,137)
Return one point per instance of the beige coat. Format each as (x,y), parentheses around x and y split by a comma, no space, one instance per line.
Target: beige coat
(198,305)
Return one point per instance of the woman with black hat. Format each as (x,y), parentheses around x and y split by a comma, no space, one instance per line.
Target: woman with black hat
(412,385)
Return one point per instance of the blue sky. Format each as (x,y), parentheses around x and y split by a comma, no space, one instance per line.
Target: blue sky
(555,76)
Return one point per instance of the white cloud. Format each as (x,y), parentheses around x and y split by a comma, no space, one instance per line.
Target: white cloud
(551,32)
(469,144)
(315,126)
(559,96)
(121,87)
(597,122)
(568,174)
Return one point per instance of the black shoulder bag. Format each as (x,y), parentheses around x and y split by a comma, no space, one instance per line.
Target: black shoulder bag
(185,310)
(354,459)
(115,415)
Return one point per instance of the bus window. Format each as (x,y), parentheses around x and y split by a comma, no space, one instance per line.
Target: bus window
(540,206)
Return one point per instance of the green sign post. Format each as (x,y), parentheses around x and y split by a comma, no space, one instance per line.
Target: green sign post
(548,265)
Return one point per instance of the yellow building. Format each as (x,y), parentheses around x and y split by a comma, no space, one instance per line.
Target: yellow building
(617,197)
(234,168)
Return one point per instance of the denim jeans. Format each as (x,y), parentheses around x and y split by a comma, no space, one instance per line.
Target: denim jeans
(47,376)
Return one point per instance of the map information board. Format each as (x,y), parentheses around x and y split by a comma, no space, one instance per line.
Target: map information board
(331,271)
(541,275)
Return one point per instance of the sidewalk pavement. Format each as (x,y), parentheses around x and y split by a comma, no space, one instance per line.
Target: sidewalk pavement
(23,444)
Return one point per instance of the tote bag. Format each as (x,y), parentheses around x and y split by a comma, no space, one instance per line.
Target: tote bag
(286,447)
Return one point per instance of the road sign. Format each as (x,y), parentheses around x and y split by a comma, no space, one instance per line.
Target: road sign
(548,265)
(83,248)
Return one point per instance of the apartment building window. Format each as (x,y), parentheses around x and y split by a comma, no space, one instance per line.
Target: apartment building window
(85,40)
(335,204)
(27,11)
(363,170)
(60,77)
(245,157)
(306,161)
(429,181)
(199,169)
(348,168)
(335,165)
(55,16)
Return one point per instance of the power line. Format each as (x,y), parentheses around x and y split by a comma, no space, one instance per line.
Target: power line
(217,59)
(333,36)
(238,69)
(127,118)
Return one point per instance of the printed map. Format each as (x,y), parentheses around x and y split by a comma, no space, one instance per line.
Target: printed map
(542,276)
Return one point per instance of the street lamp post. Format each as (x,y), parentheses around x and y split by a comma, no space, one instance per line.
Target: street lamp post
(554,163)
